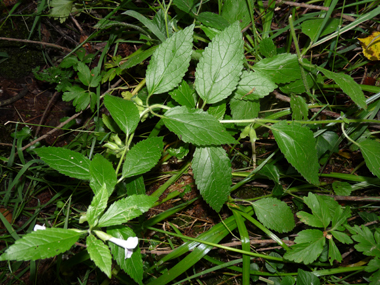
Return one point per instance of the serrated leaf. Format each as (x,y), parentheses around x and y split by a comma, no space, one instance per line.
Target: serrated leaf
(375,278)
(371,153)
(319,209)
(61,9)
(309,246)
(306,278)
(42,244)
(218,71)
(102,172)
(142,157)
(274,214)
(299,108)
(297,143)
(373,265)
(124,113)
(99,254)
(170,62)
(66,161)
(334,253)
(184,95)
(80,96)
(342,237)
(213,175)
(281,68)
(126,209)
(132,266)
(348,85)
(243,110)
(196,126)
(97,206)
(368,243)
(342,188)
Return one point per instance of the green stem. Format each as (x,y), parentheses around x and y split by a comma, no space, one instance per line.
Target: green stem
(303,75)
(220,246)
(301,122)
(347,137)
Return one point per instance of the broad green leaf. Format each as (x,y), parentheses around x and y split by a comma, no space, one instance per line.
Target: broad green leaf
(243,110)
(309,246)
(236,10)
(213,175)
(213,20)
(142,157)
(342,237)
(326,142)
(340,217)
(210,32)
(126,209)
(288,280)
(147,23)
(348,85)
(271,171)
(297,86)
(42,244)
(368,243)
(186,6)
(196,126)
(80,96)
(66,161)
(306,278)
(267,48)
(97,206)
(311,27)
(102,172)
(218,71)
(99,254)
(297,143)
(84,74)
(373,265)
(135,185)
(371,153)
(299,108)
(170,62)
(124,112)
(334,253)
(309,219)
(273,266)
(274,214)
(375,278)
(132,266)
(281,68)
(218,110)
(319,209)
(137,57)
(184,95)
(61,9)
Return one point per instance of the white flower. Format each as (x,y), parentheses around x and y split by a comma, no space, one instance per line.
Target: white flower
(128,244)
(38,227)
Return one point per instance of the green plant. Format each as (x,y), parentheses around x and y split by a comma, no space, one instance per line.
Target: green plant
(227,96)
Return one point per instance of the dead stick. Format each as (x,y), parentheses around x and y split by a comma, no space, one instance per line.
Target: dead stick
(35,42)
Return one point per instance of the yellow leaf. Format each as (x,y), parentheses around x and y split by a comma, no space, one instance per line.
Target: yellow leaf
(371,46)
